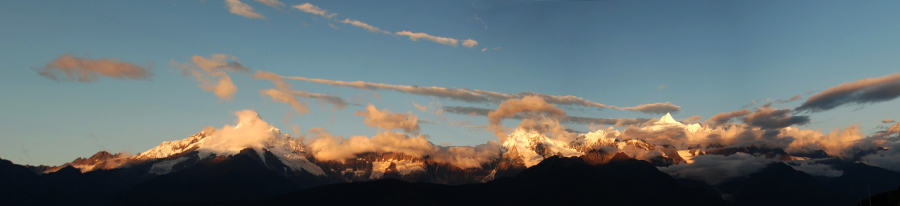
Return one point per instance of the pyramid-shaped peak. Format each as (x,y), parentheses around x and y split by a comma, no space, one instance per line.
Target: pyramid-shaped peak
(666,119)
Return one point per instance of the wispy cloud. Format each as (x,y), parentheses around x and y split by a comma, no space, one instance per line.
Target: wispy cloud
(417,36)
(655,108)
(364,26)
(90,70)
(285,93)
(887,121)
(475,111)
(212,73)
(272,3)
(309,8)
(869,90)
(465,95)
(240,8)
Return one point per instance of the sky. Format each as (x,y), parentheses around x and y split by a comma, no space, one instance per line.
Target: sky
(704,57)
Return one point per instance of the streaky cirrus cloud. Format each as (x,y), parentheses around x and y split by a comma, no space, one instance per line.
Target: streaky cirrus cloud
(272,3)
(309,8)
(388,120)
(242,9)
(90,70)
(285,93)
(869,90)
(416,36)
(794,98)
(655,108)
(466,95)
(772,118)
(887,121)
(474,111)
(364,26)
(212,73)
(529,105)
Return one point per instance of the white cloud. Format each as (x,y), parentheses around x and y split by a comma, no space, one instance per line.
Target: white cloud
(309,8)
(240,8)
(469,43)
(364,26)
(417,36)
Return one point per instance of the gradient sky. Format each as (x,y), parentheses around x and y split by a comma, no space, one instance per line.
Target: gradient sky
(710,56)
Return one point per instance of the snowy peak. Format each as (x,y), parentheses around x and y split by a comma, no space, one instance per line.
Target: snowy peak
(667,120)
(532,146)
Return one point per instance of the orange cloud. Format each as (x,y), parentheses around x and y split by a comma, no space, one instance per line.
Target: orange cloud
(212,73)
(529,105)
(89,70)
(242,9)
(387,120)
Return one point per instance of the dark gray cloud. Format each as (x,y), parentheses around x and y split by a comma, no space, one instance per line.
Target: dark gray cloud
(869,90)
(723,118)
(771,118)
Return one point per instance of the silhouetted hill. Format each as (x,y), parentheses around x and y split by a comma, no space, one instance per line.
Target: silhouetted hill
(555,181)
(780,184)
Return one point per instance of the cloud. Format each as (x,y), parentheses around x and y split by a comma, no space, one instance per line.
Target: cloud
(469,43)
(794,98)
(655,108)
(724,118)
(771,118)
(567,119)
(869,90)
(836,143)
(416,36)
(484,49)
(387,120)
(285,93)
(89,70)
(818,170)
(887,121)
(421,107)
(309,8)
(893,129)
(364,26)
(530,105)
(468,157)
(272,3)
(716,169)
(240,8)
(324,146)
(465,95)
(250,131)
(212,73)
(661,87)
(692,119)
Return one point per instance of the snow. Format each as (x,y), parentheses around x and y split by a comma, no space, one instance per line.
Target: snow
(490,177)
(686,155)
(405,167)
(165,167)
(524,140)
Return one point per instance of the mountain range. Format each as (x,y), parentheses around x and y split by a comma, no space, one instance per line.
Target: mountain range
(531,168)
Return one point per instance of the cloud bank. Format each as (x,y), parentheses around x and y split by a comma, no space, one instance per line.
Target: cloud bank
(869,90)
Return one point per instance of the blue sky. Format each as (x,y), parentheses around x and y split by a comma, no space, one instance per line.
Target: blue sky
(712,57)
